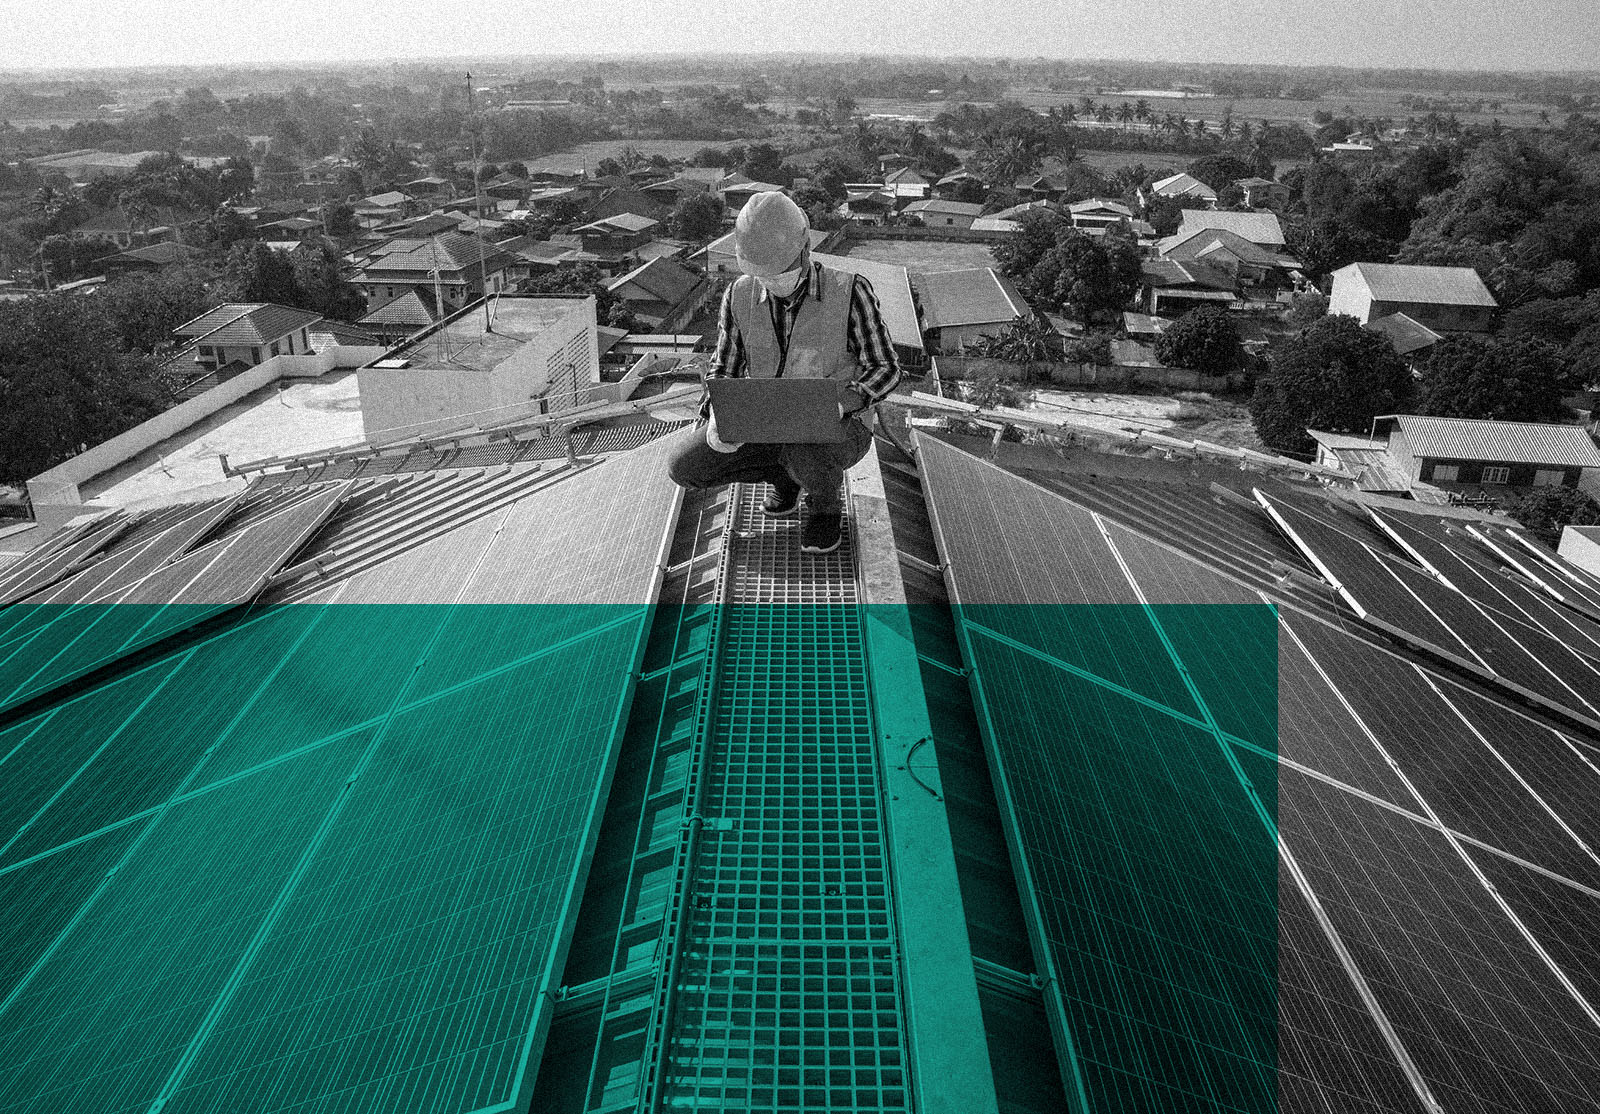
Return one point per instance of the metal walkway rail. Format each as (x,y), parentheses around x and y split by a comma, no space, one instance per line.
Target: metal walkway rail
(784,989)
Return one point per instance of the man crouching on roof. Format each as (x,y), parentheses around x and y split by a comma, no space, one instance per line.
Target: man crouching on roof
(789,315)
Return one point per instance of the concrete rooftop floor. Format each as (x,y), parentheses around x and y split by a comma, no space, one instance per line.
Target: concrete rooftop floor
(289,416)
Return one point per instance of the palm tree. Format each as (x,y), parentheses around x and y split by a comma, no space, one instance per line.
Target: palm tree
(1124,114)
(1228,126)
(1088,105)
(46,201)
(1069,113)
(1245,132)
(1141,110)
(912,138)
(1007,159)
(368,153)
(1103,113)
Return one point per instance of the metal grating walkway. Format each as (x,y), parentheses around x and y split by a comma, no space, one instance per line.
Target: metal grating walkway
(784,989)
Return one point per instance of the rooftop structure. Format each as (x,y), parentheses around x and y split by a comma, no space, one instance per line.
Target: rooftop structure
(512,356)
(1262,229)
(969,815)
(896,303)
(958,306)
(1445,299)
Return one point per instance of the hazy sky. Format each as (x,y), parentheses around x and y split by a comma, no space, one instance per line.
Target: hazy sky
(1455,34)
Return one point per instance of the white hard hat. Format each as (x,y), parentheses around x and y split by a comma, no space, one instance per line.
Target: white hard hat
(769,234)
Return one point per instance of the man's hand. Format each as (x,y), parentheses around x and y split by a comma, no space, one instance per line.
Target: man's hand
(716,443)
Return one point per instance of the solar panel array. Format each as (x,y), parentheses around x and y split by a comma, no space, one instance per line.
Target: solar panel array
(1402,917)
(315,857)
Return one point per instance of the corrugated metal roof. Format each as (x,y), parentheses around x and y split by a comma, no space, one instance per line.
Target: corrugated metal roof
(1400,282)
(1199,242)
(1406,334)
(971,296)
(959,208)
(1521,442)
(1258,228)
(1183,185)
(892,285)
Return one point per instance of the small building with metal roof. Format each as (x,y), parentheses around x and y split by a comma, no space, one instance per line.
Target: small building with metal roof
(1449,451)
(1445,299)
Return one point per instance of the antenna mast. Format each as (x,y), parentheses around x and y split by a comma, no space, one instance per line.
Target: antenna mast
(477,204)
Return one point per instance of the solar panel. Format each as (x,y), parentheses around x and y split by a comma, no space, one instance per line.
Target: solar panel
(1487,1022)
(288,865)
(1465,565)
(1153,875)
(34,573)
(1418,606)
(1331,1053)
(1144,859)
(66,640)
(1440,845)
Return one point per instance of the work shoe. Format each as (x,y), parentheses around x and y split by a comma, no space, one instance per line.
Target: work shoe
(821,533)
(781,501)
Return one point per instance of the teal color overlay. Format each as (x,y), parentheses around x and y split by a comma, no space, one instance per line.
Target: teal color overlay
(1141,815)
(334,856)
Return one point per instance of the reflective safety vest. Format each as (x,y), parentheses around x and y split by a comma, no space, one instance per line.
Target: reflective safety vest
(819,344)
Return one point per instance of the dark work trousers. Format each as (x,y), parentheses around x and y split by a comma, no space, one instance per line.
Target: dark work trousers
(818,469)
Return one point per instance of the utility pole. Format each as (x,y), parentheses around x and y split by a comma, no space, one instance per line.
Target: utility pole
(477,205)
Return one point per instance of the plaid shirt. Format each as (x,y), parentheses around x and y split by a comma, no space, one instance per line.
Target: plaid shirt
(867,337)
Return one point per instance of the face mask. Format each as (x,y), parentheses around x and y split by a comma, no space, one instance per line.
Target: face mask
(782,285)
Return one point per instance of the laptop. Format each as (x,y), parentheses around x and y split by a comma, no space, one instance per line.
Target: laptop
(777,411)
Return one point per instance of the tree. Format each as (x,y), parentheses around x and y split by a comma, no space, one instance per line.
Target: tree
(1517,380)
(1333,375)
(319,283)
(253,272)
(1084,277)
(1218,171)
(1547,510)
(66,380)
(1028,342)
(1007,158)
(340,219)
(145,308)
(585,278)
(695,218)
(1203,339)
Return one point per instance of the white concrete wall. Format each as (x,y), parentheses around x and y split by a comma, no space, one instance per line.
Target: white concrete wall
(397,403)
(1350,295)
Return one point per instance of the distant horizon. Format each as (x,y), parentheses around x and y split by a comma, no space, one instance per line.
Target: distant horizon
(1446,36)
(10,70)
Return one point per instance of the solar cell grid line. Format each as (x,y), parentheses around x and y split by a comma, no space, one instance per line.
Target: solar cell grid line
(1437,755)
(1560,915)
(1354,570)
(1527,659)
(444,900)
(1590,859)
(1497,592)
(1158,947)
(102,1022)
(1589,1008)
(1557,768)
(1487,1022)
(154,751)
(1334,1038)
